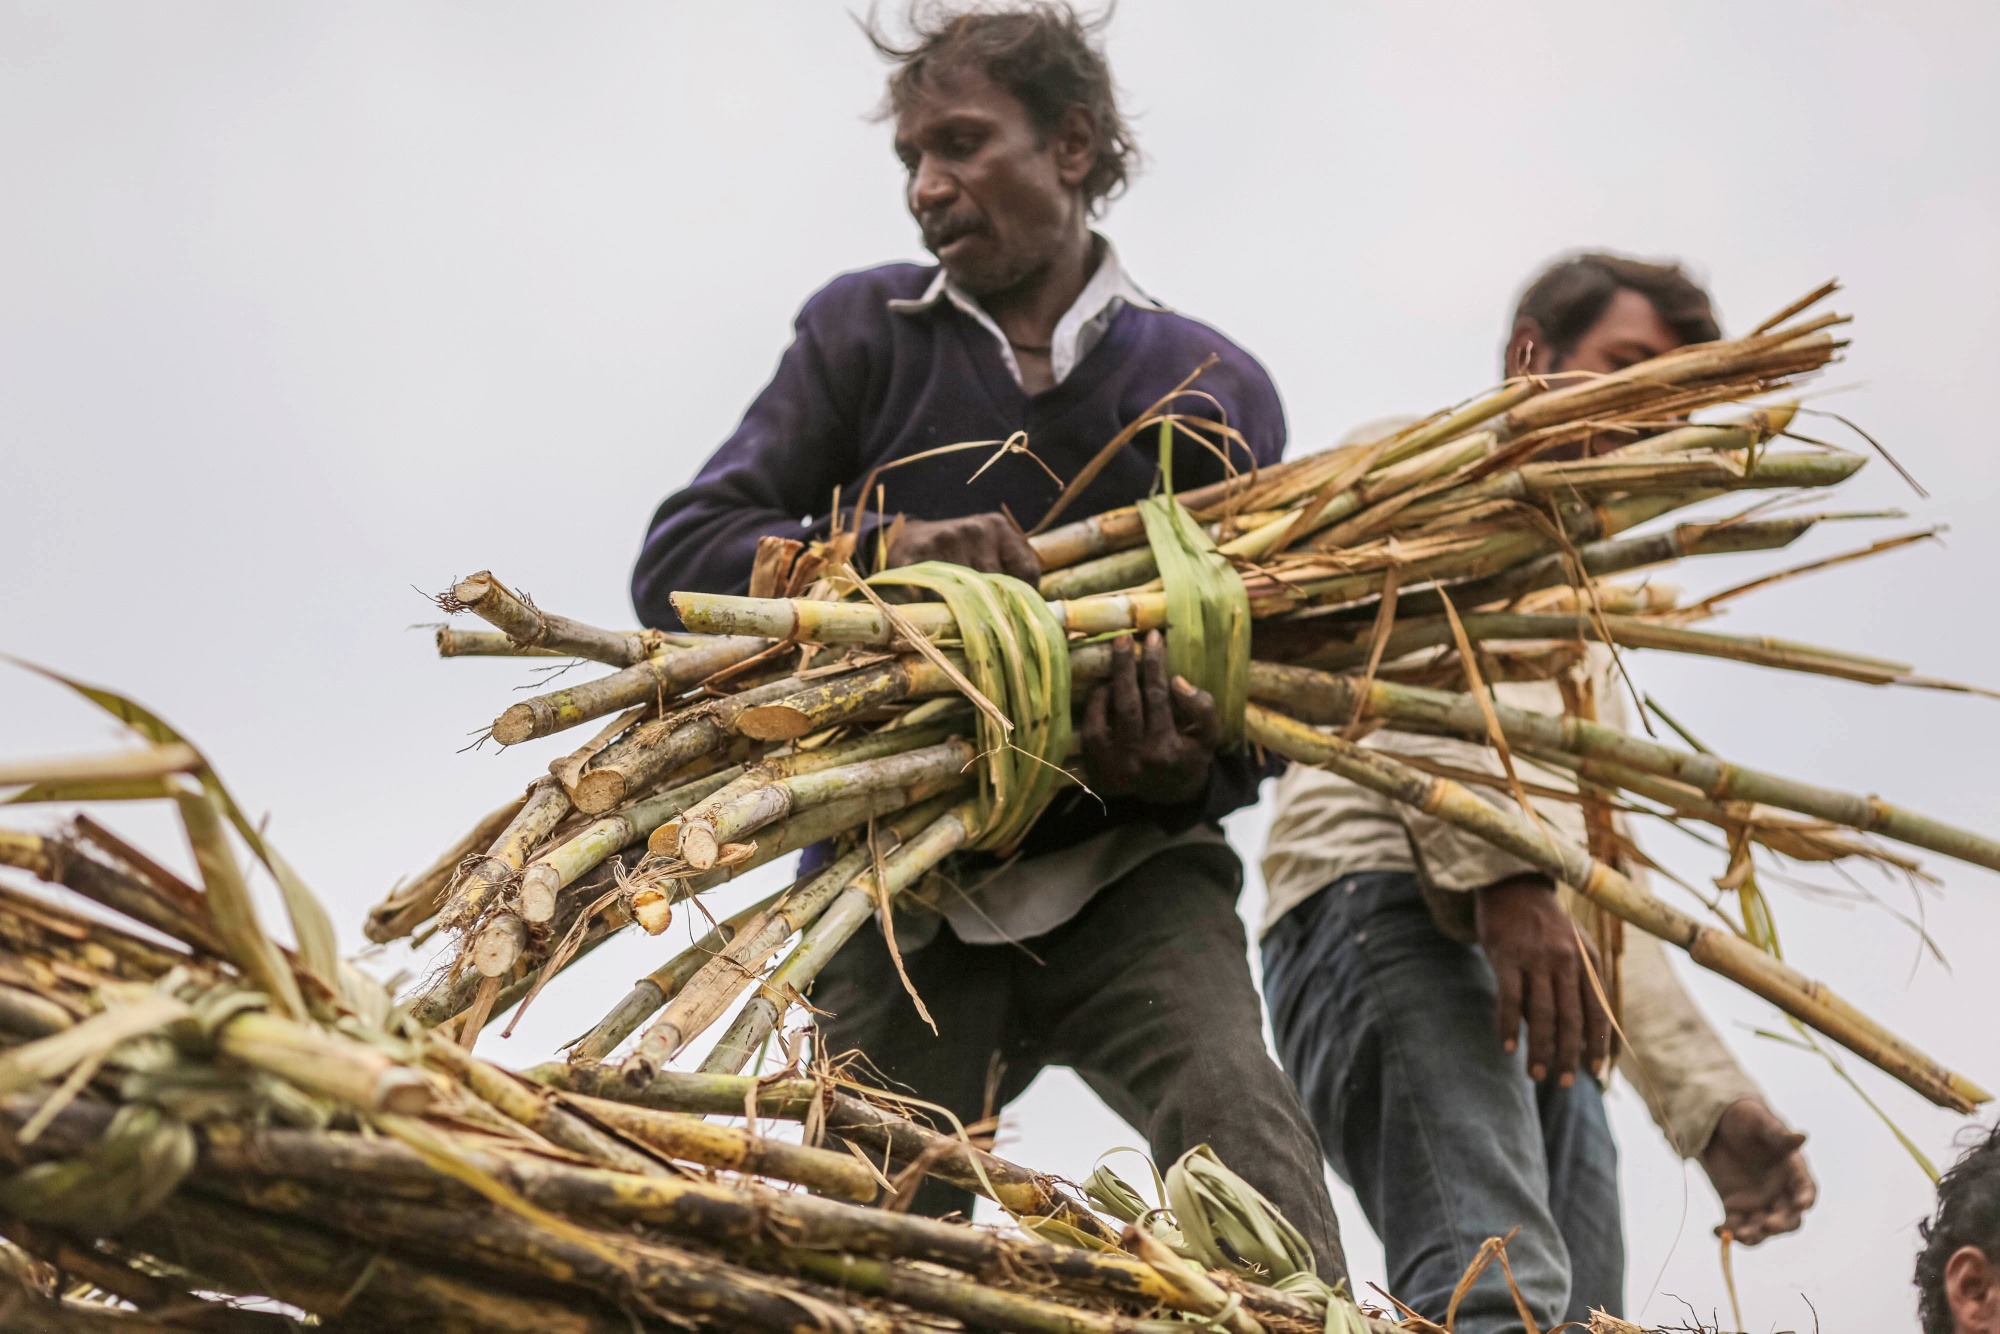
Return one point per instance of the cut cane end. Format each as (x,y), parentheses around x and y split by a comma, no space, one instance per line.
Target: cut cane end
(473,588)
(664,841)
(540,887)
(599,792)
(404,1093)
(697,846)
(774,722)
(515,726)
(499,946)
(652,910)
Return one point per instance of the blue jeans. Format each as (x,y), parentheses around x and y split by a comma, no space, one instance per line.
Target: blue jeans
(1386,1027)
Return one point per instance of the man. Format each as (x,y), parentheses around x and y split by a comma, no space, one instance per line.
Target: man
(1111,944)
(1958,1273)
(1402,957)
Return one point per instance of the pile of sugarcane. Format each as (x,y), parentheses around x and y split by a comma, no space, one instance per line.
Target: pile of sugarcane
(192,1115)
(1327,596)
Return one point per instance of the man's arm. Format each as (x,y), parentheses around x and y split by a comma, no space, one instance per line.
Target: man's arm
(778,468)
(1706,1105)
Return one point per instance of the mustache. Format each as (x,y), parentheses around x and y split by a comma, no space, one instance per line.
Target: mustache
(941,229)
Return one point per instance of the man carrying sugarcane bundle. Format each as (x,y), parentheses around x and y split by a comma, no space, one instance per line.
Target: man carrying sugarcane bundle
(1404,961)
(1110,943)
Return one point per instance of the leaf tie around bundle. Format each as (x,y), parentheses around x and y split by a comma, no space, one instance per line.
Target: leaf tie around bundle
(144,1154)
(1018,657)
(1228,1224)
(1208,609)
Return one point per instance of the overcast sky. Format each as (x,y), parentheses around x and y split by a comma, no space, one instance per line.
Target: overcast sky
(306,308)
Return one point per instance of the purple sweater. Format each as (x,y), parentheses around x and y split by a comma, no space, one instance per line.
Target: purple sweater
(862,383)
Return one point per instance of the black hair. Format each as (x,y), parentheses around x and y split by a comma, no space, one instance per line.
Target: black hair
(1041,51)
(1968,1214)
(1571,296)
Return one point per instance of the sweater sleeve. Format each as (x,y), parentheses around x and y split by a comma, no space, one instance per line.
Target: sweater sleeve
(773,476)
(1673,1057)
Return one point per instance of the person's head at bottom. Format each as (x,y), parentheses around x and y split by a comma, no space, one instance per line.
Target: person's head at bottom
(1958,1271)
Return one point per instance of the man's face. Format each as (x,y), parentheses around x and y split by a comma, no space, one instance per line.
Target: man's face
(1630,330)
(996,199)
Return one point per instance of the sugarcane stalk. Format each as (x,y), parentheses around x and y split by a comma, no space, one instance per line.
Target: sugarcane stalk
(455,643)
(1281,486)
(40,929)
(322,1062)
(860,623)
(1198,1291)
(448,996)
(715,1213)
(772,920)
(530,627)
(655,679)
(873,1129)
(726,975)
(665,841)
(1723,952)
(1805,840)
(696,1139)
(27,1015)
(833,928)
(1742,431)
(250,1252)
(1608,556)
(661,985)
(1626,632)
(539,1110)
(1135,565)
(542,880)
(824,703)
(1324,698)
(1598,396)
(978,1306)
(63,860)
(118,766)
(412,903)
(702,838)
(1536,483)
(142,1290)
(653,750)
(1129,569)
(619,1267)
(478,885)
(1483,556)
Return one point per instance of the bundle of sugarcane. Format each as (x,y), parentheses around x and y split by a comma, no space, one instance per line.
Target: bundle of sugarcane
(194,1115)
(1303,597)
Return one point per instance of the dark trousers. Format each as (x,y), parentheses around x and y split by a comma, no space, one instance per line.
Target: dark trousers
(1146,994)
(1386,1026)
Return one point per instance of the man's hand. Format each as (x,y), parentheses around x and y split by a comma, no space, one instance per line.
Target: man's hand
(1145,737)
(991,543)
(1538,959)
(1754,1162)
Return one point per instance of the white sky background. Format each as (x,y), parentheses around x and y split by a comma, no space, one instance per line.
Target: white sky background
(301,306)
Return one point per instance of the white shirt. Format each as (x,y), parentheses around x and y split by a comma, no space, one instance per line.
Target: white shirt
(1081,327)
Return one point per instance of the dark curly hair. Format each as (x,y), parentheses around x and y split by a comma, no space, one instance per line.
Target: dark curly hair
(1571,294)
(1041,51)
(1968,1214)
